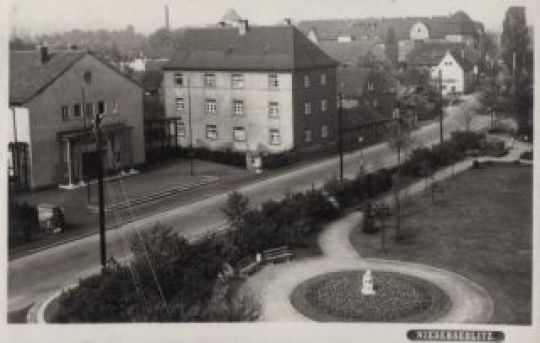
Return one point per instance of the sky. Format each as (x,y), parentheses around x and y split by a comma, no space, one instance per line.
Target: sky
(46,16)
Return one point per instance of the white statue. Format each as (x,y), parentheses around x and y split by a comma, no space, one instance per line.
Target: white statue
(367,283)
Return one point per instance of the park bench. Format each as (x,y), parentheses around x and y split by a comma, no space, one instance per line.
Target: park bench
(277,254)
(247,266)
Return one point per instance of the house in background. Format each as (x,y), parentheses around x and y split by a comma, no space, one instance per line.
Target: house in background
(254,89)
(406,31)
(361,77)
(457,64)
(53,98)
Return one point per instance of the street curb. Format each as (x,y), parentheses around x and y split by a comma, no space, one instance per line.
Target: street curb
(36,314)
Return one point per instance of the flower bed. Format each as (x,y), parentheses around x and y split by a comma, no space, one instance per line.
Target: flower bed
(337,297)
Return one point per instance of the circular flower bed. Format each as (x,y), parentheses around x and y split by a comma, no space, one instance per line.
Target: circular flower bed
(338,297)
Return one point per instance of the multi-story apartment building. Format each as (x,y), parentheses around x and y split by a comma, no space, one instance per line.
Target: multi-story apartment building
(53,99)
(257,89)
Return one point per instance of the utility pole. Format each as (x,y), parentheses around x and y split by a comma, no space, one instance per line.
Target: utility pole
(441,109)
(340,135)
(191,152)
(99,144)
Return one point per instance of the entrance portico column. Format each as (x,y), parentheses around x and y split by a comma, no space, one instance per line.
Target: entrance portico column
(69,162)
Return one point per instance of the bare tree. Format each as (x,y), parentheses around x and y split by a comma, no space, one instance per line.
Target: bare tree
(400,140)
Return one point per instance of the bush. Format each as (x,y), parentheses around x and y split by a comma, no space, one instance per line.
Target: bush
(164,265)
(467,140)
(23,223)
(279,160)
(527,155)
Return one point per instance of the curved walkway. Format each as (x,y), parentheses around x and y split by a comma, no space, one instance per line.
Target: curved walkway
(274,284)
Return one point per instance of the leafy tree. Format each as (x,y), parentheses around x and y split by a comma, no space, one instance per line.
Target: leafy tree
(235,209)
(515,37)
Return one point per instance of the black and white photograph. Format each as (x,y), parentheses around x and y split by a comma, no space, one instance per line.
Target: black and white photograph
(268,171)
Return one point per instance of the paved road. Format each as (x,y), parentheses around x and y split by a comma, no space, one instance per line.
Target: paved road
(33,276)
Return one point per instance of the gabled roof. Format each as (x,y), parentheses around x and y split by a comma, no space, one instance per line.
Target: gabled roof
(377,28)
(28,76)
(431,53)
(278,48)
(347,52)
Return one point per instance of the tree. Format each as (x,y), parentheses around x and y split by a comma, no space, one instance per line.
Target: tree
(391,45)
(515,37)
(235,208)
(400,140)
(469,110)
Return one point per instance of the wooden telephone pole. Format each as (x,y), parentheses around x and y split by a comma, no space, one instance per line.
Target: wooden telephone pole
(99,144)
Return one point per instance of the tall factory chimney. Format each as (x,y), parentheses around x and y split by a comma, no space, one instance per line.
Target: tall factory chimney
(167,17)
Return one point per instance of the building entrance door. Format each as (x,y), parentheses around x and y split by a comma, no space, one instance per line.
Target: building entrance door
(90,164)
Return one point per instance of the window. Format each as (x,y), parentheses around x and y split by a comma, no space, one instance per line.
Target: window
(323,79)
(180,105)
(307,108)
(370,86)
(211,132)
(275,137)
(273,109)
(375,103)
(238,107)
(101,107)
(210,80)
(324,131)
(211,106)
(77,110)
(114,106)
(307,136)
(89,109)
(239,134)
(180,129)
(179,79)
(237,81)
(306,81)
(324,105)
(273,81)
(65,113)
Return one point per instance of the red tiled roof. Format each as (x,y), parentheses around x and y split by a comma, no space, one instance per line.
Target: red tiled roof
(261,48)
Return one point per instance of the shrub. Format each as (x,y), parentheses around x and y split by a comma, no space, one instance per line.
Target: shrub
(279,160)
(527,155)
(466,140)
(164,265)
(23,222)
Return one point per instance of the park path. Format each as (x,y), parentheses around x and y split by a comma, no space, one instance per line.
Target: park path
(274,284)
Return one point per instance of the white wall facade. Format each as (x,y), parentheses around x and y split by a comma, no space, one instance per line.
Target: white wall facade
(419,31)
(255,120)
(453,76)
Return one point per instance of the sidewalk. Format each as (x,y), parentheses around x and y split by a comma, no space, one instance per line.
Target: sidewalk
(162,186)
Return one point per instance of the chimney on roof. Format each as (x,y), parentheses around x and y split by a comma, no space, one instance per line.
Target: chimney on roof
(243,27)
(287,21)
(43,53)
(463,54)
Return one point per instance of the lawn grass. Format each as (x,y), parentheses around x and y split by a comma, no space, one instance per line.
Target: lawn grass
(479,227)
